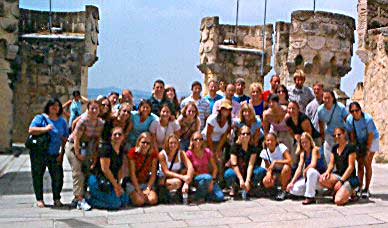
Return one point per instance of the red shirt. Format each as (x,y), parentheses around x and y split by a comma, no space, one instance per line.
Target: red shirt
(265,95)
(143,174)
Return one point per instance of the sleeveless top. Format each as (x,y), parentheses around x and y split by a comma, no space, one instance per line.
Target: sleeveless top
(176,166)
(259,109)
(279,127)
(320,166)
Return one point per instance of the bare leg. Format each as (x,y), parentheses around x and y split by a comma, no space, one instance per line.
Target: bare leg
(285,176)
(360,171)
(342,195)
(368,169)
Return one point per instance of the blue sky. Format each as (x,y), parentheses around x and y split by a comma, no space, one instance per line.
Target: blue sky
(142,40)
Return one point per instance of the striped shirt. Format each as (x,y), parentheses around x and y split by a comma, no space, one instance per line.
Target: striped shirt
(302,96)
(203,106)
(91,130)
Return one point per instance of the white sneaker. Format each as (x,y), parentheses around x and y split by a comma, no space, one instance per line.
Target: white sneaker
(83,205)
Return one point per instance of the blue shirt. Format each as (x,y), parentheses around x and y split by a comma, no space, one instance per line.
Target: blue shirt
(337,120)
(139,127)
(254,127)
(75,110)
(240,99)
(364,126)
(59,130)
(213,100)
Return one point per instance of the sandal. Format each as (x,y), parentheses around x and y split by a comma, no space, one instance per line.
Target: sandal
(308,201)
(40,204)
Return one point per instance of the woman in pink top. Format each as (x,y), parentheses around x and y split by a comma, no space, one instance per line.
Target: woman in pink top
(203,180)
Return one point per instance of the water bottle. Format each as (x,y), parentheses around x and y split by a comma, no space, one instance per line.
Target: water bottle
(244,195)
(185,198)
(83,148)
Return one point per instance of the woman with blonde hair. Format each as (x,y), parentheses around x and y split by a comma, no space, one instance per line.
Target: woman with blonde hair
(256,93)
(311,165)
(175,169)
(247,117)
(242,163)
(143,160)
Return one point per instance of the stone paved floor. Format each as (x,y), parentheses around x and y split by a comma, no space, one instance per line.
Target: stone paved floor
(17,208)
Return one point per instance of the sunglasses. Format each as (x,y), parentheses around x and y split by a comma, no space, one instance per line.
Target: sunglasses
(127,111)
(337,135)
(198,139)
(245,134)
(118,134)
(354,110)
(281,91)
(145,143)
(106,105)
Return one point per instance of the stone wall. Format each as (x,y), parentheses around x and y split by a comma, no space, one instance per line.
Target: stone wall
(373,52)
(319,43)
(52,65)
(219,60)
(9,14)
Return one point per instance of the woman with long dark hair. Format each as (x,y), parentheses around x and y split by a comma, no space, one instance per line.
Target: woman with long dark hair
(344,180)
(331,114)
(282,92)
(104,185)
(364,134)
(171,96)
(51,122)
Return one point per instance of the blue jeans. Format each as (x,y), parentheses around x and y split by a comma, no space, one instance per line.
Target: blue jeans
(231,177)
(202,181)
(106,200)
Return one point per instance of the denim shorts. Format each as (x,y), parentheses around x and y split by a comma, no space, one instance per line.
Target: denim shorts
(350,184)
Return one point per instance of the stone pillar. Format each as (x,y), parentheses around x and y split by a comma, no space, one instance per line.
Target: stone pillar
(319,43)
(9,14)
(225,56)
(373,51)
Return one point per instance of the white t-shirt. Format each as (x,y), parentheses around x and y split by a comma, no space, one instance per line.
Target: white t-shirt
(162,132)
(217,130)
(276,155)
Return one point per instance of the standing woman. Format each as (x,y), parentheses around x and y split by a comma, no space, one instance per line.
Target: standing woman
(332,114)
(217,128)
(274,121)
(243,166)
(203,161)
(141,121)
(175,169)
(75,106)
(164,126)
(256,91)
(189,122)
(277,163)
(282,92)
(143,160)
(311,166)
(81,150)
(343,158)
(52,122)
(170,95)
(110,194)
(364,134)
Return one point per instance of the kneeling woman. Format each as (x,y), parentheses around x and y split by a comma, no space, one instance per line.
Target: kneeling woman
(242,163)
(314,164)
(205,182)
(175,167)
(344,180)
(105,190)
(278,164)
(142,171)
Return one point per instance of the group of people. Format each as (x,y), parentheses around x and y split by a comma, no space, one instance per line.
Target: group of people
(200,148)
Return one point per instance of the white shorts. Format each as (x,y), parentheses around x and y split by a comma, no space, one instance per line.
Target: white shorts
(375,145)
